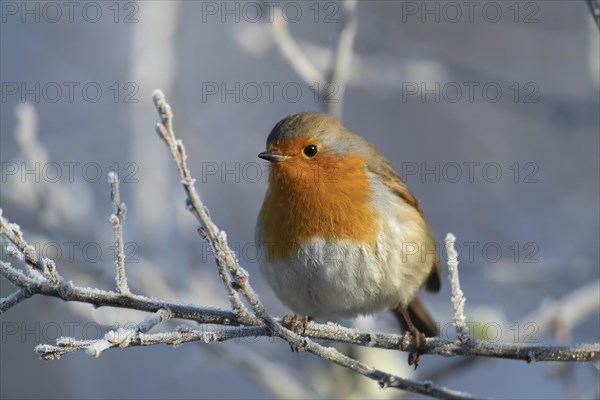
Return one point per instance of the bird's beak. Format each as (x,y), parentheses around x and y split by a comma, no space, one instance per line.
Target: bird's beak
(272,156)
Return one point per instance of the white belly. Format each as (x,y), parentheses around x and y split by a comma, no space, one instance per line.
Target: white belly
(345,279)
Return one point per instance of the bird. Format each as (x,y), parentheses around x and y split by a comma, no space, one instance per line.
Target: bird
(339,232)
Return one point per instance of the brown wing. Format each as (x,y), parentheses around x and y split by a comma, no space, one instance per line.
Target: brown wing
(390,178)
(380,166)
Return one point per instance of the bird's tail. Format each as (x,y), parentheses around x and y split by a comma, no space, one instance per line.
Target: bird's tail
(420,318)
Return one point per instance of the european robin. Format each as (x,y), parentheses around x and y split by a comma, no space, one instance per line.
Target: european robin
(340,233)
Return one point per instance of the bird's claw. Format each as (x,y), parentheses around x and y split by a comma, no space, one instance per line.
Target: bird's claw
(297,324)
(419,343)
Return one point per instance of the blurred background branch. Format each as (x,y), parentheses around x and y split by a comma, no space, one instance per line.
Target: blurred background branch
(330,86)
(595,10)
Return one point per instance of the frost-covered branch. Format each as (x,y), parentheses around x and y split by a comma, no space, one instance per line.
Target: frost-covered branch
(335,333)
(209,231)
(122,337)
(14,299)
(133,338)
(458,297)
(116,220)
(39,268)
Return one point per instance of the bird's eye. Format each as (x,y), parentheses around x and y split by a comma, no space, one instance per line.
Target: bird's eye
(311,150)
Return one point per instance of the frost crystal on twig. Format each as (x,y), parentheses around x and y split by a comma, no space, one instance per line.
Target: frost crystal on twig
(116,220)
(458,297)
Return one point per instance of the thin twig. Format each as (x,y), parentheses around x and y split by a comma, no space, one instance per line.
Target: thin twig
(14,299)
(101,298)
(13,233)
(32,259)
(16,277)
(116,220)
(123,337)
(458,297)
(236,303)
(181,335)
(208,230)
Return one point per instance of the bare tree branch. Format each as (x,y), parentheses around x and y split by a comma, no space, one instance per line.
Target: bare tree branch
(208,231)
(594,6)
(458,297)
(433,346)
(123,337)
(39,267)
(14,299)
(182,334)
(116,220)
(16,277)
(329,332)
(101,298)
(23,251)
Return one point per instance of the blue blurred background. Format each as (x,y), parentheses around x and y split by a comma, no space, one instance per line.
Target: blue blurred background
(489,110)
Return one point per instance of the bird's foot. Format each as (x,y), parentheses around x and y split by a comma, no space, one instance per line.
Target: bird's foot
(297,324)
(418,339)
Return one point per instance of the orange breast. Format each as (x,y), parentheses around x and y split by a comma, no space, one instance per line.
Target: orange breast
(328,197)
